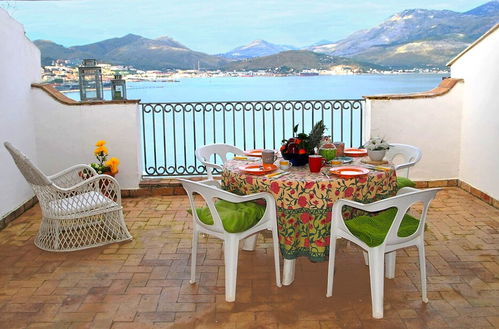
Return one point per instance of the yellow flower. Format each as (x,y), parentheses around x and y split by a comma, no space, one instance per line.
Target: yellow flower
(101,149)
(100,143)
(113,163)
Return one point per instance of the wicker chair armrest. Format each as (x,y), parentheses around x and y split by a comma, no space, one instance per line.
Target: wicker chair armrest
(103,184)
(73,175)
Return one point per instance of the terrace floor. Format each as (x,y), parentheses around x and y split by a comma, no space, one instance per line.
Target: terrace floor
(145,283)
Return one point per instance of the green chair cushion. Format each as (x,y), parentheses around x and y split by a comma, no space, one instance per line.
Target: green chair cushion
(236,217)
(373,230)
(405,182)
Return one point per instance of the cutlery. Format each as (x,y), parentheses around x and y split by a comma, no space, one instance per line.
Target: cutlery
(378,168)
(326,175)
(277,174)
(245,158)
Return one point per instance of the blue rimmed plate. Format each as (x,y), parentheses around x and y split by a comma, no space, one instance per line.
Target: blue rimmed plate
(342,160)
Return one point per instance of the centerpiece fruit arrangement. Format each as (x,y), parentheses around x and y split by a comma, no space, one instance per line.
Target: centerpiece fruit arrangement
(300,146)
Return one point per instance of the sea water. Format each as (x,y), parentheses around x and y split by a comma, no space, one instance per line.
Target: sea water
(170,137)
(215,89)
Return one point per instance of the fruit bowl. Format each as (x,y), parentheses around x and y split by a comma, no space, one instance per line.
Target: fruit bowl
(296,159)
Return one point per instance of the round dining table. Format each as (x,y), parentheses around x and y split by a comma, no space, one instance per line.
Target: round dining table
(304,201)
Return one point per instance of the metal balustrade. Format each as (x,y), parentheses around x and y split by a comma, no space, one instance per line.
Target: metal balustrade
(172,131)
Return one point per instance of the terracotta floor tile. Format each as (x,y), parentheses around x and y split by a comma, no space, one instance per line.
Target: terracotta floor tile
(145,283)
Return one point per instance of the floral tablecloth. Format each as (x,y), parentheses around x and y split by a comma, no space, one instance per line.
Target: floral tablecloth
(304,201)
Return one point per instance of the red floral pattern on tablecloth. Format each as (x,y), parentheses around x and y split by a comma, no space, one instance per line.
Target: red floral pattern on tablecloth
(304,201)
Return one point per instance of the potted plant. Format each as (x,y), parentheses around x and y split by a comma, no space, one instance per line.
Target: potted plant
(297,149)
(376,148)
(103,165)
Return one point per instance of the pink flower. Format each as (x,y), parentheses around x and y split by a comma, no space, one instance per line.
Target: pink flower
(305,218)
(309,184)
(274,187)
(321,243)
(349,192)
(328,217)
(249,179)
(306,242)
(302,201)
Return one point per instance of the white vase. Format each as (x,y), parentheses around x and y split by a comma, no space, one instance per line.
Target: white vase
(376,155)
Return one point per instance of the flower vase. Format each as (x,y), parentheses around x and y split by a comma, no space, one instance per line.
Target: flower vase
(376,155)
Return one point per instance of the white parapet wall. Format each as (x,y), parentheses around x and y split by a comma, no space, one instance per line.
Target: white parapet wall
(19,67)
(478,65)
(430,121)
(66,135)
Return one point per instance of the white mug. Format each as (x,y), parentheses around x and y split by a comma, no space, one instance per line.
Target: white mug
(285,164)
(268,156)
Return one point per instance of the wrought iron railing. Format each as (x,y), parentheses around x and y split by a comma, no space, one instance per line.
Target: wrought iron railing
(171,132)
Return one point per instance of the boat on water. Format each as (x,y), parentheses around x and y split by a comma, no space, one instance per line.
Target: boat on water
(308,73)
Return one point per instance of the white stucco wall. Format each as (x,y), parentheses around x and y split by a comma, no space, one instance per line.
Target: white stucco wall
(19,67)
(54,135)
(66,135)
(432,124)
(479,159)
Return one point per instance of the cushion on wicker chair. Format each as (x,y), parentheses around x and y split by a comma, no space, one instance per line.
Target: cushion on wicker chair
(236,217)
(373,230)
(405,182)
(81,203)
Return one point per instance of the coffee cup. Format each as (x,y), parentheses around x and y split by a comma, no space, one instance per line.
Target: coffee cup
(315,163)
(285,164)
(268,156)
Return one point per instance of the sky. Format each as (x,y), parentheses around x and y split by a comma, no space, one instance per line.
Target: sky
(211,26)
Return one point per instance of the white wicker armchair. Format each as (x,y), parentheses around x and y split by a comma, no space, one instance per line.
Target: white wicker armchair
(80,209)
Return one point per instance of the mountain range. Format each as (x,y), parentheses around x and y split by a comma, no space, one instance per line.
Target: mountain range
(416,37)
(411,38)
(297,60)
(257,48)
(162,53)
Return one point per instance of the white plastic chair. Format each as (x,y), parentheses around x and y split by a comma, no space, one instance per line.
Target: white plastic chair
(405,198)
(204,153)
(80,209)
(210,190)
(410,154)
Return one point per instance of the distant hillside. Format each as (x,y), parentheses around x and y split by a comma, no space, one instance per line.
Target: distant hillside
(51,51)
(297,60)
(257,48)
(416,37)
(147,54)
